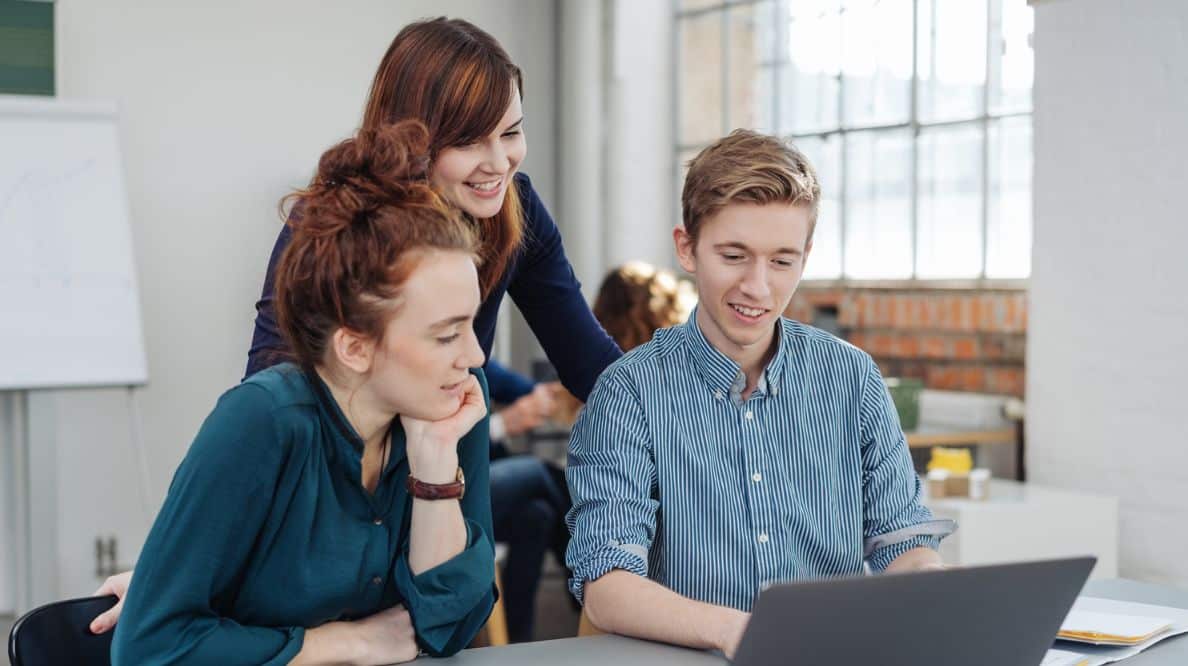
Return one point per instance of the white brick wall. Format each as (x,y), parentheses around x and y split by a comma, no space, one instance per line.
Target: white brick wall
(1108,351)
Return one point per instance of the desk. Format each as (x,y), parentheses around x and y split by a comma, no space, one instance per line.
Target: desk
(619,651)
(1025,521)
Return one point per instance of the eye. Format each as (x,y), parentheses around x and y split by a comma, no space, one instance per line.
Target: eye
(511,133)
(785,263)
(732,257)
(447,339)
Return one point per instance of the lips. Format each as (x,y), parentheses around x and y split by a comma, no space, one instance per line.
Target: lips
(748,311)
(486,188)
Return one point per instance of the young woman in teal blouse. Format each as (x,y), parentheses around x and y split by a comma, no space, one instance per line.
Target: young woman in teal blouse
(335,509)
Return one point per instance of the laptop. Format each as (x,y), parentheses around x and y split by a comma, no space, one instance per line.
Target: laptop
(1001,615)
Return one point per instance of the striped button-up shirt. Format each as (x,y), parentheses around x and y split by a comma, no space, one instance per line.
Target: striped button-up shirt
(677,477)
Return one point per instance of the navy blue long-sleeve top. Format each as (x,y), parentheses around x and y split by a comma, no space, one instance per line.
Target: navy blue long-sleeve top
(540,281)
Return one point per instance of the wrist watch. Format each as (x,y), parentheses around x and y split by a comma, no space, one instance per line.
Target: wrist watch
(436,491)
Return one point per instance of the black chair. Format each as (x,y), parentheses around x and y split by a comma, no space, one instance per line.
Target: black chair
(60,633)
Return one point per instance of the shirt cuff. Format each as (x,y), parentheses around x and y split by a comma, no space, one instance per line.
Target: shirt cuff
(881,550)
(626,556)
(441,597)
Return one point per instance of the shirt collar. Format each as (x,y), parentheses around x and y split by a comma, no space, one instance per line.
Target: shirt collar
(348,440)
(725,377)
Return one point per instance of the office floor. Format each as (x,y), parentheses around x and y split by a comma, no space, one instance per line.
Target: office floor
(555,616)
(5,625)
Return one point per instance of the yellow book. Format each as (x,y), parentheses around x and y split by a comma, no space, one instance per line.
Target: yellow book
(1111,628)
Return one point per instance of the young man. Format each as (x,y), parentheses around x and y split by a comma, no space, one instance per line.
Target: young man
(739,449)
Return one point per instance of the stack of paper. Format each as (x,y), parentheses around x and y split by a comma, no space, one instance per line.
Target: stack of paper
(1111,628)
(1108,631)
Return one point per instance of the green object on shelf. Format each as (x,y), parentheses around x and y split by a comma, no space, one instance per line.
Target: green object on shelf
(905,393)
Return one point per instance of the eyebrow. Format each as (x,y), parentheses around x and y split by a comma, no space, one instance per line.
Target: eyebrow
(514,125)
(744,248)
(451,321)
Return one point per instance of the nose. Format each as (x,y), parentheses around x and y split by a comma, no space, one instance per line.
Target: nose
(754,284)
(496,157)
(472,354)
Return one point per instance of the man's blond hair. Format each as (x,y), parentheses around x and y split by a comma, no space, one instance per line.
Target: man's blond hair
(748,167)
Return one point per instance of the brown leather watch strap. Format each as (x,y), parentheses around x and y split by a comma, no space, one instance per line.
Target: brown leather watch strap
(436,491)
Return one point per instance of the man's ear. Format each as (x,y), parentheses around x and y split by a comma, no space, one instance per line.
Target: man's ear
(353,350)
(685,246)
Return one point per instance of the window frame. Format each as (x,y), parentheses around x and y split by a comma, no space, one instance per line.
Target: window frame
(771,67)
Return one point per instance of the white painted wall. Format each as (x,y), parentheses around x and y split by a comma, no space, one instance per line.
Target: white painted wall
(617,192)
(642,205)
(1108,349)
(225,107)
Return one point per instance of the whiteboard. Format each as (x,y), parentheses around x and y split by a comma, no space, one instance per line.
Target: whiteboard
(69,303)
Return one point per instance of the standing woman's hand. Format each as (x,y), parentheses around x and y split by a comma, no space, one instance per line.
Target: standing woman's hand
(117,585)
(432,446)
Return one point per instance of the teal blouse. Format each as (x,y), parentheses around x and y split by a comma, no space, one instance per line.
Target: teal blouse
(267,530)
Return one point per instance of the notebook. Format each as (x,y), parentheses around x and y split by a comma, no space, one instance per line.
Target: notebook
(1111,628)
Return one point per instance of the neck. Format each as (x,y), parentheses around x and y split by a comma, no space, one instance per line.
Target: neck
(362,411)
(751,359)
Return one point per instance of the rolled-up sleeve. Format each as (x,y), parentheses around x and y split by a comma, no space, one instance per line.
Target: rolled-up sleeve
(612,479)
(895,519)
(449,603)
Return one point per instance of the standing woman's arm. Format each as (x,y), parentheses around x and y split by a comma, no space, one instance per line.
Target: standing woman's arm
(549,295)
(268,346)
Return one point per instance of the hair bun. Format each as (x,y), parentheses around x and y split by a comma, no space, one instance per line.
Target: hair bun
(388,165)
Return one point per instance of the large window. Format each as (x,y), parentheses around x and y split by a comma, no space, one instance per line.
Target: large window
(916,113)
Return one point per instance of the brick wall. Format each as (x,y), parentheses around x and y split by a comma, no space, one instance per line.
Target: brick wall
(954,339)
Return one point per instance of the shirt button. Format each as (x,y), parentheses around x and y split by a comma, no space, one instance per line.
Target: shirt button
(763,537)
(379,521)
(750,415)
(756,477)
(775,390)
(377,580)
(718,395)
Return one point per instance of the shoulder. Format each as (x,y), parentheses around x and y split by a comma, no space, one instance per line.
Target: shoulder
(258,418)
(640,366)
(805,336)
(828,352)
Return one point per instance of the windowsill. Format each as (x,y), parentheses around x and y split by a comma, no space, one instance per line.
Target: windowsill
(969,284)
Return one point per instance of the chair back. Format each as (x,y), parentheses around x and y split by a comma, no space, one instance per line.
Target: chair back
(60,633)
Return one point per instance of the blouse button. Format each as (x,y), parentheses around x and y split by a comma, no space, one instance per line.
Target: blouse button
(379,521)
(377,580)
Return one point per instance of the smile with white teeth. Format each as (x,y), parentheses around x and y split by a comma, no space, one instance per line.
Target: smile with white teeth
(486,187)
(748,312)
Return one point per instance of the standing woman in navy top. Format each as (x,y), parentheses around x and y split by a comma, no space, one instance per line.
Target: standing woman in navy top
(458,81)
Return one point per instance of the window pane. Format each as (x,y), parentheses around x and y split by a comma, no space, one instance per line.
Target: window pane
(697,4)
(1013,65)
(824,261)
(700,81)
(949,229)
(750,84)
(810,68)
(1008,251)
(878,204)
(952,58)
(876,61)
